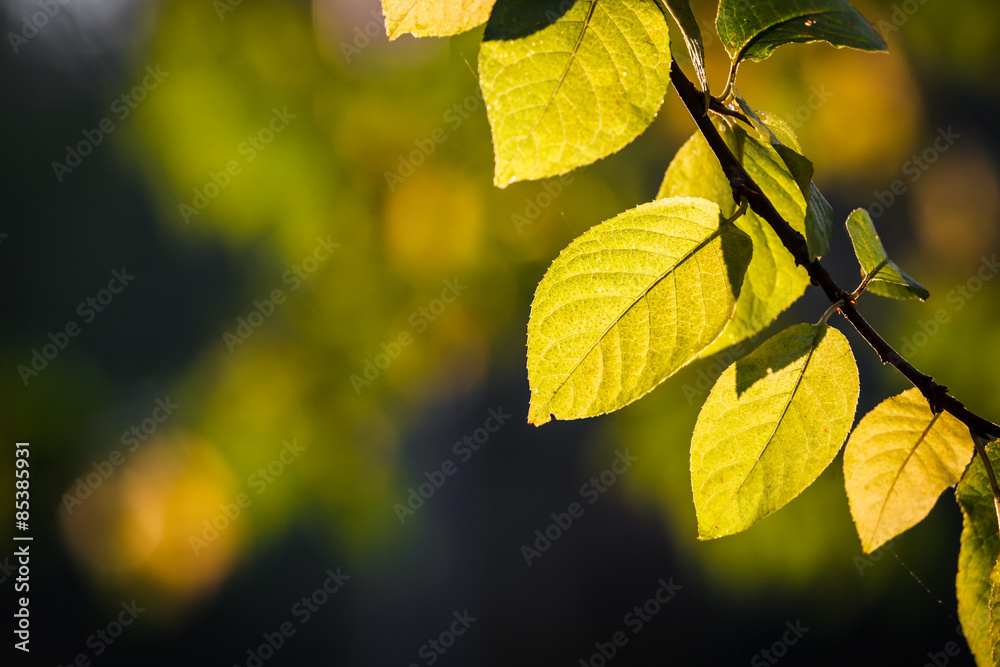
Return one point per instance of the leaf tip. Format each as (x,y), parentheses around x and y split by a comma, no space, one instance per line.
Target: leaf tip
(869,544)
(880,44)
(503,176)
(708,533)
(538,417)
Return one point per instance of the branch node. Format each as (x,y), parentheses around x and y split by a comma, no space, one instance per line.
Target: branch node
(938,398)
(741,190)
(743,186)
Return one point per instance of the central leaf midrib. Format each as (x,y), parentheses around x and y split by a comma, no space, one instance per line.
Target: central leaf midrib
(902,467)
(616,320)
(777,423)
(764,29)
(396,29)
(560,81)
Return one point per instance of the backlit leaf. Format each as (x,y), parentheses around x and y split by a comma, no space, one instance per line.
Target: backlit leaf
(752,30)
(899,459)
(977,556)
(889,280)
(772,423)
(817,226)
(629,303)
(995,613)
(434,18)
(681,11)
(567,86)
(773,280)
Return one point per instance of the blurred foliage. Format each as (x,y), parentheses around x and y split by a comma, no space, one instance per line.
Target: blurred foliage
(363,109)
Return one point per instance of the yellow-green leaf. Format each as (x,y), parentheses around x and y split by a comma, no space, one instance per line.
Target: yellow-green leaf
(434,18)
(629,303)
(817,224)
(899,459)
(773,280)
(977,556)
(753,30)
(681,11)
(567,82)
(772,423)
(995,614)
(888,279)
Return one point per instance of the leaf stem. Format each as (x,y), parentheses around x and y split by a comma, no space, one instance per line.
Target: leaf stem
(830,311)
(739,212)
(981,450)
(730,80)
(868,278)
(716,105)
(744,186)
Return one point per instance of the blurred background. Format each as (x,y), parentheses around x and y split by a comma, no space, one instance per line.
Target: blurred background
(265,331)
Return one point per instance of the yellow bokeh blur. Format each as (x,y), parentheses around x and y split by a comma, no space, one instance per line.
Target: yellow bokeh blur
(160,522)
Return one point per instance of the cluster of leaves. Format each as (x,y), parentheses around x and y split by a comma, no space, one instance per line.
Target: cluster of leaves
(636,298)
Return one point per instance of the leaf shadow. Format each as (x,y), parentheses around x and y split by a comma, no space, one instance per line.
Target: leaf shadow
(737,251)
(514,19)
(774,355)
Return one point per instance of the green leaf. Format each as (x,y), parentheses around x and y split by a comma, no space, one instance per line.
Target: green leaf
(899,459)
(995,613)
(681,11)
(629,303)
(817,225)
(565,87)
(977,556)
(772,423)
(889,280)
(753,30)
(773,281)
(433,18)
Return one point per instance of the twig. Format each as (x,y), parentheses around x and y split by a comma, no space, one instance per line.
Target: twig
(867,279)
(720,108)
(981,450)
(744,186)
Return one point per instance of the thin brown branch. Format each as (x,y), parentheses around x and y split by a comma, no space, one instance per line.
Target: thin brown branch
(744,186)
(718,107)
(981,450)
